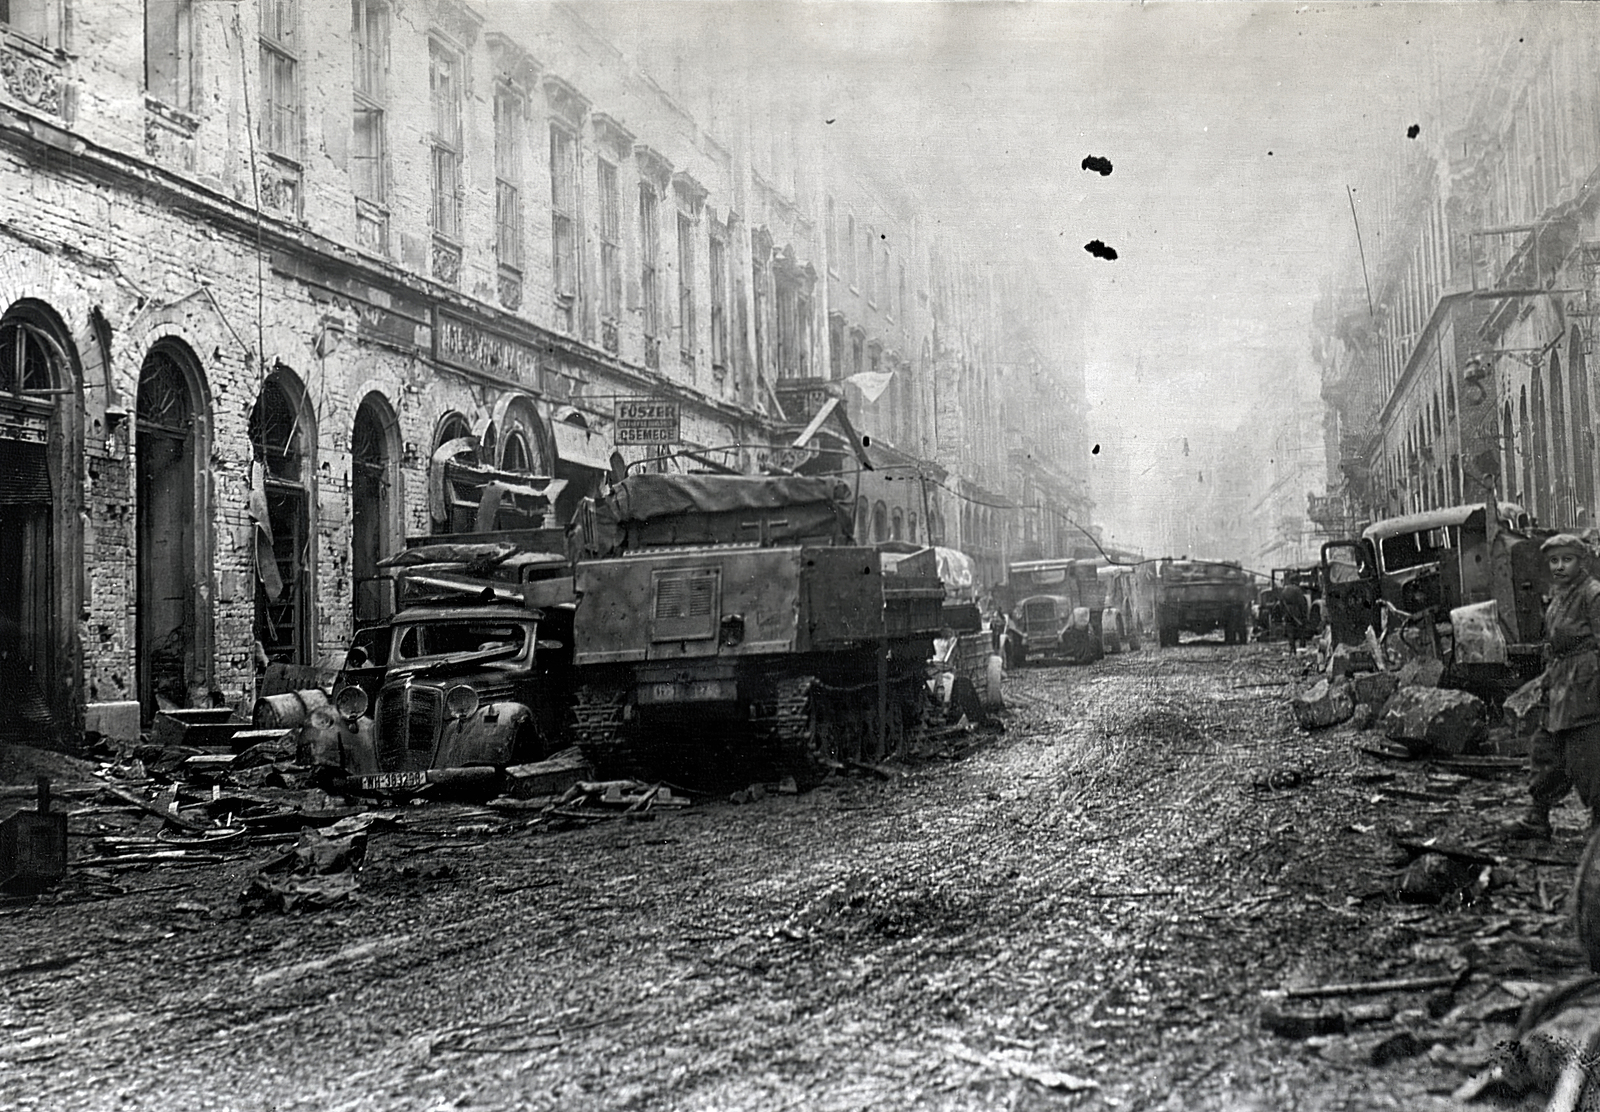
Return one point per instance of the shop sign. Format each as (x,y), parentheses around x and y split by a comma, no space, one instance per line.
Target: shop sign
(802,398)
(647,421)
(458,342)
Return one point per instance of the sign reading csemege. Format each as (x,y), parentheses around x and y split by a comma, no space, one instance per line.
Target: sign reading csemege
(647,421)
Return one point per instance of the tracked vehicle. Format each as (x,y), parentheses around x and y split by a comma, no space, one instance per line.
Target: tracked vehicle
(730,619)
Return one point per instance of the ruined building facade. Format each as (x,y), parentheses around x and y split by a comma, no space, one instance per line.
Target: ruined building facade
(1468,376)
(259,261)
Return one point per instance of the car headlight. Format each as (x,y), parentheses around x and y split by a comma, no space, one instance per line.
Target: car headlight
(351,702)
(461,701)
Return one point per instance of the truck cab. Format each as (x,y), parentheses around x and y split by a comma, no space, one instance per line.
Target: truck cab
(1468,585)
(1056,608)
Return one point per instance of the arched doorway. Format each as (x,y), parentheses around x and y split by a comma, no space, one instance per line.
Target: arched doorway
(281,438)
(172,655)
(374,505)
(41,562)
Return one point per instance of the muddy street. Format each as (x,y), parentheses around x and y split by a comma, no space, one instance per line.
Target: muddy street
(1083,910)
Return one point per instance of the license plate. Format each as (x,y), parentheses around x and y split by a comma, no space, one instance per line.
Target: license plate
(696,691)
(394,781)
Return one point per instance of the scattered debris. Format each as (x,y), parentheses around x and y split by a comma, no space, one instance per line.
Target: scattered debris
(549,777)
(1324,704)
(1436,718)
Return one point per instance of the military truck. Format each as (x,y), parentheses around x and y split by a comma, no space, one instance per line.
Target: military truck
(731,618)
(1457,583)
(1272,618)
(1119,618)
(1055,610)
(1200,596)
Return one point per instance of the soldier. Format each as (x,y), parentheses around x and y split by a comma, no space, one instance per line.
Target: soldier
(1296,611)
(1565,751)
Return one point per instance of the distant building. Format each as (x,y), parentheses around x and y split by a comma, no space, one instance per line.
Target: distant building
(1468,376)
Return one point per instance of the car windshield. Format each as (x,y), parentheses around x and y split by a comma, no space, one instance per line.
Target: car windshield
(1044,577)
(461,637)
(1408,550)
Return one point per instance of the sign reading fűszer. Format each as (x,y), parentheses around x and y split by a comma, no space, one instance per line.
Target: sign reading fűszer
(647,421)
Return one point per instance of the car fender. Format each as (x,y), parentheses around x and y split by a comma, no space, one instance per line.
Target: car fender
(329,740)
(487,736)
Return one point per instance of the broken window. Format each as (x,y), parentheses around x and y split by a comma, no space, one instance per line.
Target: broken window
(169,51)
(717,262)
(686,315)
(279,505)
(33,18)
(280,77)
(564,220)
(867,272)
(610,240)
(649,249)
(444,87)
(508,177)
(849,252)
(369,36)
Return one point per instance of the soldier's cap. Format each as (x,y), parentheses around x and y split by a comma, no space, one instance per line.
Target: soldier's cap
(1564,542)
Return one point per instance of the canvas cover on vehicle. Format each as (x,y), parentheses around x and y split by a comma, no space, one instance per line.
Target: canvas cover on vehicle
(647,511)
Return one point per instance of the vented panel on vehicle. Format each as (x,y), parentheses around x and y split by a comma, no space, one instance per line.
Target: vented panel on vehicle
(422,718)
(1039,616)
(686,604)
(391,729)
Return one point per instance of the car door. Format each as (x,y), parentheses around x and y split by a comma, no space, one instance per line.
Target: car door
(1349,590)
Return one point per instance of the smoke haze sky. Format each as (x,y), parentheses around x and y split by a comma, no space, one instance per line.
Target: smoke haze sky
(1233,130)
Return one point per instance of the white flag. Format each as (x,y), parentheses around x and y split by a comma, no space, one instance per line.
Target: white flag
(872,384)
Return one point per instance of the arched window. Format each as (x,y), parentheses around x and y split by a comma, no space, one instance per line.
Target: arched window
(1561,489)
(1582,430)
(863,520)
(280,435)
(515,455)
(1530,497)
(453,426)
(1541,451)
(173,651)
(1508,454)
(911,527)
(897,524)
(375,501)
(880,523)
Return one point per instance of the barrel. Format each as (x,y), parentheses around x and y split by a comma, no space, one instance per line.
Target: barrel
(283,712)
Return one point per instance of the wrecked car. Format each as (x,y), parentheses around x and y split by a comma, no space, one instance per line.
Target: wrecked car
(1455,584)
